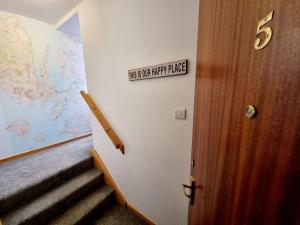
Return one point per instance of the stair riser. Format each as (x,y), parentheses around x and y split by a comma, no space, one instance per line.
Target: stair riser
(31,192)
(53,211)
(100,208)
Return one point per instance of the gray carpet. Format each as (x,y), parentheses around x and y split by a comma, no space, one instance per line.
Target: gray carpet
(40,166)
(50,204)
(59,186)
(26,178)
(84,211)
(117,215)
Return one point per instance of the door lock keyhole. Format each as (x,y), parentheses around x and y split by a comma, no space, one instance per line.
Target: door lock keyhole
(250,112)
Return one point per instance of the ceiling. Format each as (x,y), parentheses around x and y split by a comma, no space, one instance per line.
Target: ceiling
(49,11)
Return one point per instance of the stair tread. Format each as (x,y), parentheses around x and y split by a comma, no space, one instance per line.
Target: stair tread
(51,198)
(24,173)
(79,211)
(118,215)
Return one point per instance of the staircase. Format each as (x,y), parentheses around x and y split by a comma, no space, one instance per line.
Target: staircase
(59,186)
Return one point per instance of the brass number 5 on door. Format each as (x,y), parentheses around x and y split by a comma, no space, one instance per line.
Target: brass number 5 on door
(261,29)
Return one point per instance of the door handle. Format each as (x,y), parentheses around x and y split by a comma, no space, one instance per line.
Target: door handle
(191,188)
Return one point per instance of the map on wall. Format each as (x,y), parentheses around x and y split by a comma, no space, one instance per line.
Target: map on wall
(41,75)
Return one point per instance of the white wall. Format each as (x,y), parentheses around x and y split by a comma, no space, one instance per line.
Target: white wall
(121,35)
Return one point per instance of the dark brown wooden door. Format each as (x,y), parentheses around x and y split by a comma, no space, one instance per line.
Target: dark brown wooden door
(247,171)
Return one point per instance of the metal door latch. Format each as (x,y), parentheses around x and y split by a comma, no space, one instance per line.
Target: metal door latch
(191,187)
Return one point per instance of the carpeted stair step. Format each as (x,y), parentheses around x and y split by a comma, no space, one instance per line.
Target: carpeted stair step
(26,178)
(117,215)
(84,211)
(47,206)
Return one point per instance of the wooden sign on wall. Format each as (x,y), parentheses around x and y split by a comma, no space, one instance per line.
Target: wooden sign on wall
(161,70)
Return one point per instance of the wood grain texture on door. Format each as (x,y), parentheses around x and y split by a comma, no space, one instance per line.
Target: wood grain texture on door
(247,171)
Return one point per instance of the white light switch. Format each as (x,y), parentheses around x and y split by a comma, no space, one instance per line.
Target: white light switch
(180,113)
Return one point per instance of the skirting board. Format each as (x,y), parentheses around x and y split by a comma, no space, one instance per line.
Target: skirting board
(37,150)
(140,215)
(99,164)
(108,179)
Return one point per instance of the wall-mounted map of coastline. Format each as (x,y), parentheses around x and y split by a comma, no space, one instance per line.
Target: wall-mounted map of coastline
(41,75)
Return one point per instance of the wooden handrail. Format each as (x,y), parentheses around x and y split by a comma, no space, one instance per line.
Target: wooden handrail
(106,126)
